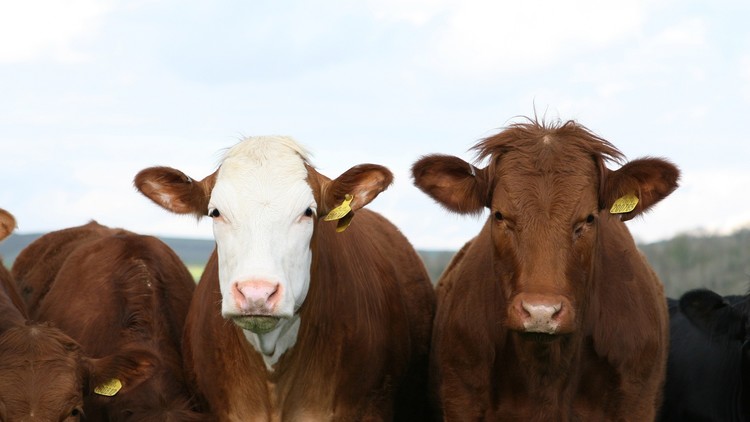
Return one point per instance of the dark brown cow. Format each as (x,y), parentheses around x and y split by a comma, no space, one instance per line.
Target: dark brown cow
(114,291)
(327,325)
(43,372)
(550,313)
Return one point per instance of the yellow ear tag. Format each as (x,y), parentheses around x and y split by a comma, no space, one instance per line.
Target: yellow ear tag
(344,222)
(341,211)
(109,388)
(624,204)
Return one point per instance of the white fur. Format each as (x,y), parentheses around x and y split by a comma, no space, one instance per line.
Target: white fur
(274,343)
(262,234)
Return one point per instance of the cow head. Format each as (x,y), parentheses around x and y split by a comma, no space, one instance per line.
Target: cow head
(265,200)
(548,192)
(44,375)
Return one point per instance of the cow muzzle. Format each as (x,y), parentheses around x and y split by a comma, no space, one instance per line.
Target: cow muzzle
(544,314)
(256,303)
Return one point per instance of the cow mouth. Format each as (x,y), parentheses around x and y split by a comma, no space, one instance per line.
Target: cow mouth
(539,337)
(258,324)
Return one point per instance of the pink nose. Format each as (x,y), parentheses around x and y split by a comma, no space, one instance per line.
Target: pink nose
(549,314)
(256,297)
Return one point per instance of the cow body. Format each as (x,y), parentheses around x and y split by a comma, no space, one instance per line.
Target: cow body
(44,374)
(114,291)
(708,371)
(550,312)
(327,325)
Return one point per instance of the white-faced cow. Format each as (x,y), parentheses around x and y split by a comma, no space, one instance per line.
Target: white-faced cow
(550,313)
(327,322)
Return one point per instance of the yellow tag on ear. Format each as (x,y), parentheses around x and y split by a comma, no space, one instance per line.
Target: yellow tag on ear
(343,223)
(624,204)
(109,388)
(341,211)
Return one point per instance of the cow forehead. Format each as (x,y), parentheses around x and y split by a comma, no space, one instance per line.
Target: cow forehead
(264,171)
(280,151)
(548,186)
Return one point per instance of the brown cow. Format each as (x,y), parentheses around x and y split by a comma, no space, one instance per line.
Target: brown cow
(12,309)
(43,372)
(327,325)
(113,291)
(550,313)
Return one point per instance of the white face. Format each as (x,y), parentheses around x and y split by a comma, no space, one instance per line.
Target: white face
(263,212)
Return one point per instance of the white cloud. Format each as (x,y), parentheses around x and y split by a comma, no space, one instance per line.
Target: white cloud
(415,12)
(486,38)
(35,29)
(690,33)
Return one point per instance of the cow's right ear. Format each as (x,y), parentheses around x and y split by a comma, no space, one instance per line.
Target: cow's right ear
(7,224)
(119,372)
(455,184)
(713,315)
(175,191)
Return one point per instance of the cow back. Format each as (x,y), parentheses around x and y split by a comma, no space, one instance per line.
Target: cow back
(38,263)
(112,291)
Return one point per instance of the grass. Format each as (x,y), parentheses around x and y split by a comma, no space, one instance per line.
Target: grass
(195,271)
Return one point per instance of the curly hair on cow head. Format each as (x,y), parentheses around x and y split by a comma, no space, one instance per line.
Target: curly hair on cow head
(532,134)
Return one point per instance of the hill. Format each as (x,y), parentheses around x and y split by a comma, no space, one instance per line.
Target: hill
(721,263)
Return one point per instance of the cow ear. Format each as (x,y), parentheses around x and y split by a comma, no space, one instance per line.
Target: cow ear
(120,372)
(175,191)
(452,182)
(7,224)
(637,186)
(712,314)
(362,183)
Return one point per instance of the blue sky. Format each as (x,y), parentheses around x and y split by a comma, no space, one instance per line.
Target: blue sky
(93,91)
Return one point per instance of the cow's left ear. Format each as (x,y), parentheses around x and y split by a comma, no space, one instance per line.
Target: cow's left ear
(637,186)
(121,371)
(7,224)
(362,183)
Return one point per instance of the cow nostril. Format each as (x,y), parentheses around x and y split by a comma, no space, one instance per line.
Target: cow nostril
(557,310)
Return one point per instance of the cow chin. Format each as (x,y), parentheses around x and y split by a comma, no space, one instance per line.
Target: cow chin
(539,337)
(258,324)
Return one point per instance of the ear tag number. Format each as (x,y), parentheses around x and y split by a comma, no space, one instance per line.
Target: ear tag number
(341,211)
(109,388)
(624,204)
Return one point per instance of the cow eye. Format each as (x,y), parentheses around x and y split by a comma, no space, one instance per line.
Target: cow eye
(590,219)
(498,216)
(214,213)
(75,413)
(309,212)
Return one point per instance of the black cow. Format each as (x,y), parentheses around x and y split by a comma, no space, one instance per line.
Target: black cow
(708,371)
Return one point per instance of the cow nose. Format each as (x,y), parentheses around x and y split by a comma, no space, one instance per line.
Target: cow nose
(256,297)
(541,314)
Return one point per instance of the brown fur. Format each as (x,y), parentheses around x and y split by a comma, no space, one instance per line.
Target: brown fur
(549,233)
(113,291)
(44,375)
(361,352)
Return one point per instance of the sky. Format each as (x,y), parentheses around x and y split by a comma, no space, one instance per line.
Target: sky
(92,91)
